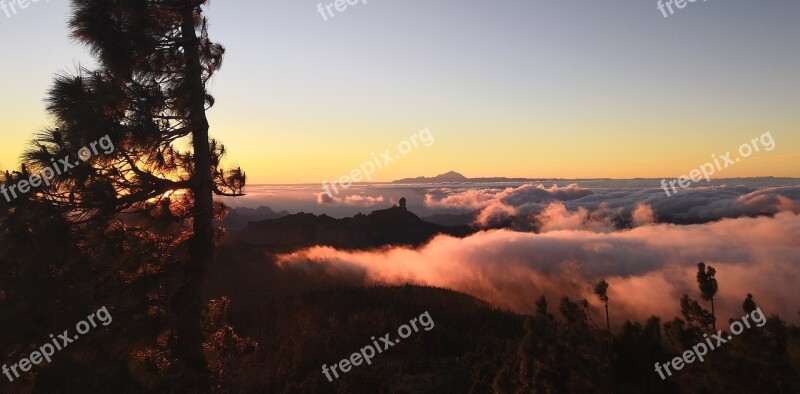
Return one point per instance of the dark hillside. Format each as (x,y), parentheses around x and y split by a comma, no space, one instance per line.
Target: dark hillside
(393,226)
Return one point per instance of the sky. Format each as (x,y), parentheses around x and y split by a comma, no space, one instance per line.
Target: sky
(516,88)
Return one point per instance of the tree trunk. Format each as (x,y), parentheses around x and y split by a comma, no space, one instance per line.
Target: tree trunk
(190,300)
(608,321)
(713,314)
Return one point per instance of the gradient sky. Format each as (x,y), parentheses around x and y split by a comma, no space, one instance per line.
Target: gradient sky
(514,88)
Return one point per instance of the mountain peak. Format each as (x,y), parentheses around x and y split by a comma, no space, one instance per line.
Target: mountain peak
(450,176)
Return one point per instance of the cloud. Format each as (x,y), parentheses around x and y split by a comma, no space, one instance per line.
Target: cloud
(556,217)
(643,214)
(354,200)
(700,204)
(481,198)
(496,205)
(648,267)
(494,212)
(363,201)
(325,198)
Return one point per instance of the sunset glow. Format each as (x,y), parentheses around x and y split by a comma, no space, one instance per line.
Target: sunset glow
(302,112)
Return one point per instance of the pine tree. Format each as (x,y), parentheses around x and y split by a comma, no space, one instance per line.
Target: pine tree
(601,290)
(749,305)
(148,100)
(708,287)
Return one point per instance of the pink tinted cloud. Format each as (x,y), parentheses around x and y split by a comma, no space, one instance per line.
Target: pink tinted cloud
(497,205)
(648,267)
(354,200)
(473,199)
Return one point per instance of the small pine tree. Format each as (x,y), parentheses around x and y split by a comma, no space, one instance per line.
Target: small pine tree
(749,305)
(601,290)
(708,286)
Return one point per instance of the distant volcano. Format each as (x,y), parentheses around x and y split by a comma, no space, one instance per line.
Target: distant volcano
(451,176)
(454,177)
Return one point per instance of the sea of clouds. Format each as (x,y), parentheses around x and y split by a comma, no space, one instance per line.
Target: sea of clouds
(644,244)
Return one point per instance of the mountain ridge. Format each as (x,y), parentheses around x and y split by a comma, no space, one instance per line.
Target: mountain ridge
(395,226)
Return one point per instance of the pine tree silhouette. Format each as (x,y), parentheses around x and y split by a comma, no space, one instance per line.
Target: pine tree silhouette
(149,98)
(601,290)
(708,287)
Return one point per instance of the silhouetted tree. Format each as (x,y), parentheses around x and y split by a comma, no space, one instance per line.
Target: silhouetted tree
(708,286)
(749,305)
(601,290)
(635,348)
(696,315)
(149,97)
(542,308)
